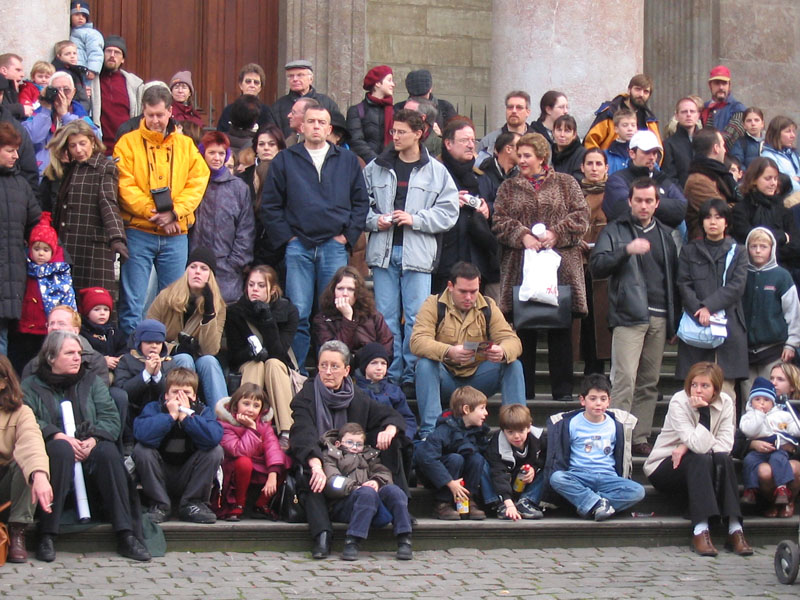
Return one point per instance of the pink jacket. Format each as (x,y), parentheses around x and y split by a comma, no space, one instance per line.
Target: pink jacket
(238,440)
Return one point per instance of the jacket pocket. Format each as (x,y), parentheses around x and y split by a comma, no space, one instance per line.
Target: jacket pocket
(699,270)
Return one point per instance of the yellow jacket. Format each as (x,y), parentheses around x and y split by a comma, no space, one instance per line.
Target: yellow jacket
(432,342)
(21,441)
(147,161)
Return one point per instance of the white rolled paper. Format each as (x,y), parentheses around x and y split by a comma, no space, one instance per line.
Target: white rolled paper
(81,499)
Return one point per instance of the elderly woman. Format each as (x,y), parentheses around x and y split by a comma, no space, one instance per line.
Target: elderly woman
(347,313)
(263,312)
(193,311)
(370,121)
(182,91)
(327,402)
(25,479)
(224,221)
(86,212)
(60,376)
(540,195)
(691,458)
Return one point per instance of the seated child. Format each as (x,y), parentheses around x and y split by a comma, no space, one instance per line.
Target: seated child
(140,372)
(87,40)
(766,422)
(515,453)
(177,451)
(30,91)
(253,455)
(625,126)
(358,485)
(771,307)
(373,364)
(454,450)
(588,454)
(49,281)
(108,339)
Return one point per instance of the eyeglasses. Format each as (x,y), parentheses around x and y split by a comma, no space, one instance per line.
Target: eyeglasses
(113,51)
(333,368)
(180,86)
(252,81)
(398,132)
(296,75)
(352,444)
(515,106)
(65,89)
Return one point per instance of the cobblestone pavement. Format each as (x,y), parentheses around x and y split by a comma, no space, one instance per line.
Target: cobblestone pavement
(669,572)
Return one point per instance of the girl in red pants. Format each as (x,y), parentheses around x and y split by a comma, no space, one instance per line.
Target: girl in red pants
(253,455)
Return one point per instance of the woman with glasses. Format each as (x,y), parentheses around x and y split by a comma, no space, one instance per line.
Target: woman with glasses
(251,80)
(329,401)
(182,91)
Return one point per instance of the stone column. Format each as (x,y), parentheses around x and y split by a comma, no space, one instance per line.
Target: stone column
(333,36)
(588,49)
(30,29)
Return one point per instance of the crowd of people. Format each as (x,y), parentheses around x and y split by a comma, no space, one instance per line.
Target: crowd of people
(165,291)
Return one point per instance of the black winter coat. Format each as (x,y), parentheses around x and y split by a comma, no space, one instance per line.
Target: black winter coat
(283,105)
(700,284)
(569,159)
(128,377)
(504,466)
(277,331)
(678,154)
(27,155)
(366,133)
(757,210)
(19,212)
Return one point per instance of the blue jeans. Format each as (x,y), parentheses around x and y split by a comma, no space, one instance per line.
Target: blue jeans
(471,468)
(361,506)
(212,380)
(782,473)
(434,382)
(400,293)
(532,491)
(167,253)
(308,271)
(585,489)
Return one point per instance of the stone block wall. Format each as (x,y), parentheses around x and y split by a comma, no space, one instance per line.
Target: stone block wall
(450,38)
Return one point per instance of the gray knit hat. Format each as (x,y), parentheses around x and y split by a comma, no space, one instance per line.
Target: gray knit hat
(419,83)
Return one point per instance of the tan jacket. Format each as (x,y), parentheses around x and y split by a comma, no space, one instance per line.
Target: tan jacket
(21,441)
(682,426)
(432,342)
(209,336)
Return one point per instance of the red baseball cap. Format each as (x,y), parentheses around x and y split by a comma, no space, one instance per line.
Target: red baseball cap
(720,73)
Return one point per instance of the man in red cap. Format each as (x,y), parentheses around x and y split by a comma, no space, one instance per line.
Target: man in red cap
(723,111)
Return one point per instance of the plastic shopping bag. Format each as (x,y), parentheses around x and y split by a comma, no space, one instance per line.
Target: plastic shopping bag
(540,276)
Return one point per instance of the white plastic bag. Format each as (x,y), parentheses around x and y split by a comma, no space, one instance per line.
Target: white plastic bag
(540,276)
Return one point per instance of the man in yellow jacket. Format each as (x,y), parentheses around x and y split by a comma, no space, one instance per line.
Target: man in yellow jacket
(462,338)
(162,179)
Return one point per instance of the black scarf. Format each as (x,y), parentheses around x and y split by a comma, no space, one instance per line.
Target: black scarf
(331,406)
(717,172)
(59,381)
(763,208)
(562,156)
(462,172)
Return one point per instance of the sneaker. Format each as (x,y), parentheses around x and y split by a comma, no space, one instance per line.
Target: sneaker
(446,512)
(475,513)
(782,495)
(157,514)
(749,496)
(501,512)
(197,513)
(528,510)
(603,510)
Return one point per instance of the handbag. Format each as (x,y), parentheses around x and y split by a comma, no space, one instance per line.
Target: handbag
(530,314)
(298,379)
(286,502)
(699,336)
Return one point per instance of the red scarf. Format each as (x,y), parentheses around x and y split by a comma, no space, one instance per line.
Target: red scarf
(388,115)
(536,180)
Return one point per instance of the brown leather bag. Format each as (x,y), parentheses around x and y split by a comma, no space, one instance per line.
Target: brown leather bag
(4,539)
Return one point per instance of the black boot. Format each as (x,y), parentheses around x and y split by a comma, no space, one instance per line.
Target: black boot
(350,551)
(46,549)
(129,546)
(322,545)
(404,547)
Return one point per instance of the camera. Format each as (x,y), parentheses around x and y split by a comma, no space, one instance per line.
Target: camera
(49,94)
(472,201)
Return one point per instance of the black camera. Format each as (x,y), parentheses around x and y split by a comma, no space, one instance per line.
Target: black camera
(187,344)
(49,94)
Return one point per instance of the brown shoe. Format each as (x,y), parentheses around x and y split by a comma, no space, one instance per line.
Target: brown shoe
(787,510)
(771,512)
(446,512)
(643,449)
(782,495)
(701,543)
(16,546)
(475,513)
(738,545)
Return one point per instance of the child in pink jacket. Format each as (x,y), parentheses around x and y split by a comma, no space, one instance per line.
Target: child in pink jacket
(253,455)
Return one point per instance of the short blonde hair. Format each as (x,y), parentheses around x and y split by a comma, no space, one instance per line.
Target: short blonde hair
(541,147)
(759,235)
(59,47)
(42,66)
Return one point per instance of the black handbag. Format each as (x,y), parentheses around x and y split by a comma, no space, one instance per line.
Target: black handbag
(286,502)
(538,315)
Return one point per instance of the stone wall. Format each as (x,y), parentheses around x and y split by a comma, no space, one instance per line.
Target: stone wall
(49,19)
(450,38)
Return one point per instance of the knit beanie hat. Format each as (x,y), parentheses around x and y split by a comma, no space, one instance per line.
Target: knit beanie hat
(376,75)
(79,7)
(149,330)
(762,387)
(182,77)
(44,232)
(94,296)
(205,256)
(369,353)
(115,41)
(419,82)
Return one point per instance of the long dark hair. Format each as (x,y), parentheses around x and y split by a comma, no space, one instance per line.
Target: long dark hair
(364,306)
(11,394)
